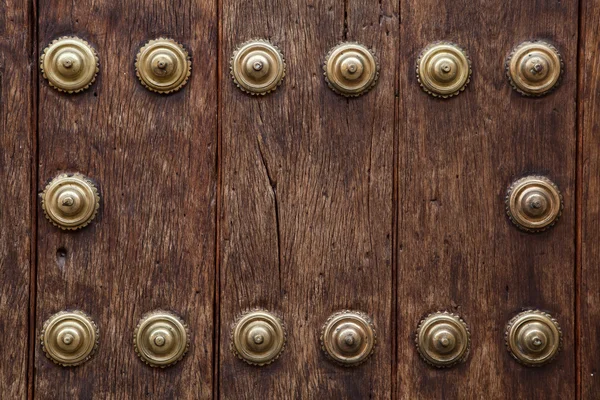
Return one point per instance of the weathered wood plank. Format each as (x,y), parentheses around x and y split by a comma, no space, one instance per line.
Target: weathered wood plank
(457,251)
(307,197)
(154,160)
(589,123)
(16,152)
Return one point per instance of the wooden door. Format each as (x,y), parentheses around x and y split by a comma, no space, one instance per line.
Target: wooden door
(301,237)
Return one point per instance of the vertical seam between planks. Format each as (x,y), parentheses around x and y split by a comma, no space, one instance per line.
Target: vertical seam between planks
(33,172)
(578,198)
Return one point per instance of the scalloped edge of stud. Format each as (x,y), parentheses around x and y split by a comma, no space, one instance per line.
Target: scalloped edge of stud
(367,89)
(64,312)
(187,57)
(459,48)
(84,42)
(458,319)
(238,320)
(94,190)
(510,324)
(336,314)
(236,51)
(512,187)
(511,55)
(145,317)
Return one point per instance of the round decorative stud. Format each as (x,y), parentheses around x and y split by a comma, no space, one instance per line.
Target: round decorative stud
(443,339)
(69,64)
(70,201)
(258,337)
(348,338)
(257,67)
(351,69)
(534,68)
(163,66)
(443,69)
(69,338)
(534,203)
(533,338)
(161,339)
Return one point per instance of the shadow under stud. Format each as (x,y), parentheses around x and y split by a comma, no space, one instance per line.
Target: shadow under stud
(533,338)
(163,66)
(351,69)
(70,202)
(257,67)
(161,339)
(443,339)
(348,338)
(69,64)
(534,203)
(69,338)
(258,337)
(534,68)
(443,69)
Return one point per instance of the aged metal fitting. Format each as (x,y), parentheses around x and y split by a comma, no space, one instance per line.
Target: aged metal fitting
(163,66)
(443,69)
(443,339)
(534,68)
(351,69)
(348,338)
(257,67)
(258,337)
(534,203)
(69,64)
(69,338)
(533,338)
(161,339)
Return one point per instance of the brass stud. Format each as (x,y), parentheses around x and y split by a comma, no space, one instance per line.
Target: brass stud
(257,67)
(533,338)
(258,337)
(443,69)
(69,338)
(70,201)
(534,68)
(351,69)
(348,338)
(161,339)
(69,64)
(534,203)
(443,339)
(163,66)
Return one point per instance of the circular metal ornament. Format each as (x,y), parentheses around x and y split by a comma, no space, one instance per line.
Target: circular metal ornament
(69,338)
(534,203)
(443,69)
(348,338)
(443,339)
(69,64)
(161,339)
(258,337)
(534,68)
(351,69)
(533,338)
(70,202)
(163,66)
(257,67)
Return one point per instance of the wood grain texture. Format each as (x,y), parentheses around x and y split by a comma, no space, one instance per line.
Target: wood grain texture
(589,123)
(307,197)
(17,130)
(457,251)
(153,158)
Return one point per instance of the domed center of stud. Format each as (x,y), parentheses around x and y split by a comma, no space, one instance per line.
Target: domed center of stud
(349,340)
(536,341)
(159,340)
(536,204)
(535,68)
(258,339)
(163,65)
(444,341)
(257,66)
(67,63)
(352,68)
(68,339)
(446,68)
(68,201)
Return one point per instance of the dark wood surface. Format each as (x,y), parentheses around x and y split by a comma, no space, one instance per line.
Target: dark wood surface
(457,251)
(153,158)
(16,151)
(589,125)
(306,222)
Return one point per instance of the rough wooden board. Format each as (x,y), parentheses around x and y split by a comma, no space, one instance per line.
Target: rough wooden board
(589,122)
(154,160)
(16,127)
(456,249)
(307,197)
